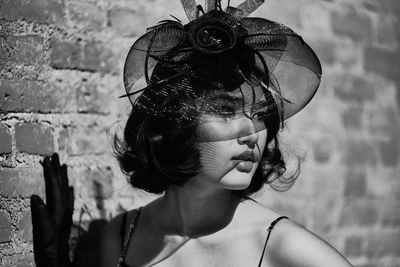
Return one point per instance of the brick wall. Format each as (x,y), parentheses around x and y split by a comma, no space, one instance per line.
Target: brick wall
(60,76)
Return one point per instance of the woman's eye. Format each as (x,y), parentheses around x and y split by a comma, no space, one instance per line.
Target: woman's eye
(227,111)
(260,115)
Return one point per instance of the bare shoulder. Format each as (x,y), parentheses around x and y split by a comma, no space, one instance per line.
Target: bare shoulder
(293,245)
(111,240)
(255,213)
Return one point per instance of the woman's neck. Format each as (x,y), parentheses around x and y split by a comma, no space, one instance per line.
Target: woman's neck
(194,210)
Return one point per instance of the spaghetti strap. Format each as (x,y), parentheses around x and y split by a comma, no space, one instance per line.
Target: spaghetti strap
(126,238)
(123,227)
(271,226)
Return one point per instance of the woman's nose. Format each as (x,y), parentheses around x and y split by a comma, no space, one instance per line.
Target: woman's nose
(248,134)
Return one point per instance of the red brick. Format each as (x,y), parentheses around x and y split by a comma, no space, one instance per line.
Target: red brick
(383,242)
(5,226)
(359,152)
(25,227)
(126,22)
(354,246)
(25,49)
(34,139)
(43,11)
(352,24)
(21,182)
(89,56)
(382,62)
(355,184)
(359,212)
(5,140)
(33,96)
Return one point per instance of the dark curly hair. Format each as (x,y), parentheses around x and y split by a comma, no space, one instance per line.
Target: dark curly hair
(157,151)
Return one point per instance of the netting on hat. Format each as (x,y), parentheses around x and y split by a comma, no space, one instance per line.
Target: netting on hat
(185,72)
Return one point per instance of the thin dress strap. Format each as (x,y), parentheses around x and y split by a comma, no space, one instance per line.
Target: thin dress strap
(271,226)
(127,238)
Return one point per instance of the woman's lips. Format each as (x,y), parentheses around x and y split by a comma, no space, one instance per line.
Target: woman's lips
(245,156)
(245,161)
(245,166)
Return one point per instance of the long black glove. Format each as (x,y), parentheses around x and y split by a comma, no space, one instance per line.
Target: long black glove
(52,221)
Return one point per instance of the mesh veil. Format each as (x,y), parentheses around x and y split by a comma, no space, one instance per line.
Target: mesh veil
(173,69)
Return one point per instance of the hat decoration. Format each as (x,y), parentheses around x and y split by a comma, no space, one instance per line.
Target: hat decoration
(215,47)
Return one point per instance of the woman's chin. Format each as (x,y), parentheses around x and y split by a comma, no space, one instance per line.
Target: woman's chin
(236,181)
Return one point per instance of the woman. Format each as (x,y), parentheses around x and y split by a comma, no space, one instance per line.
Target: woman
(208,100)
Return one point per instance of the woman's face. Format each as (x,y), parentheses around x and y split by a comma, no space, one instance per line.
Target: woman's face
(232,136)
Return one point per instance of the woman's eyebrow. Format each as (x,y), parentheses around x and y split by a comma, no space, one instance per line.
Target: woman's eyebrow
(225,97)
(260,104)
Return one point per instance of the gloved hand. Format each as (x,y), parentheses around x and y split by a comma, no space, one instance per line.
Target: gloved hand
(52,221)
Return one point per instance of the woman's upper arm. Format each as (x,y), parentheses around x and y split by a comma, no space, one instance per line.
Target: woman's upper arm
(110,246)
(299,247)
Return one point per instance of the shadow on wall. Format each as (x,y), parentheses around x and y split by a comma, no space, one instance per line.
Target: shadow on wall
(85,244)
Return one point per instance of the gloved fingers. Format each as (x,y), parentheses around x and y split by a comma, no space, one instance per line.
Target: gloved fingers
(64,178)
(55,163)
(71,199)
(50,183)
(54,190)
(43,226)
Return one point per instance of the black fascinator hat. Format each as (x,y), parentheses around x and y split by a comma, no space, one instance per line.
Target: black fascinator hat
(173,65)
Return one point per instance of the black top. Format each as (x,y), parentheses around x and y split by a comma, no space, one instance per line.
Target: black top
(125,238)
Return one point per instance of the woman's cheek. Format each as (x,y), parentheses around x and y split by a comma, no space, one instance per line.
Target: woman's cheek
(215,158)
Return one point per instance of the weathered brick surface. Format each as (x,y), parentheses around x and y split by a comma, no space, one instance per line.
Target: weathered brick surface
(384,242)
(91,140)
(34,138)
(362,212)
(93,183)
(325,50)
(120,19)
(25,227)
(91,98)
(88,56)
(26,49)
(390,151)
(5,139)
(359,152)
(34,96)
(60,75)
(354,246)
(355,184)
(355,89)
(5,226)
(382,62)
(352,118)
(384,6)
(21,182)
(351,24)
(44,11)
(86,15)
